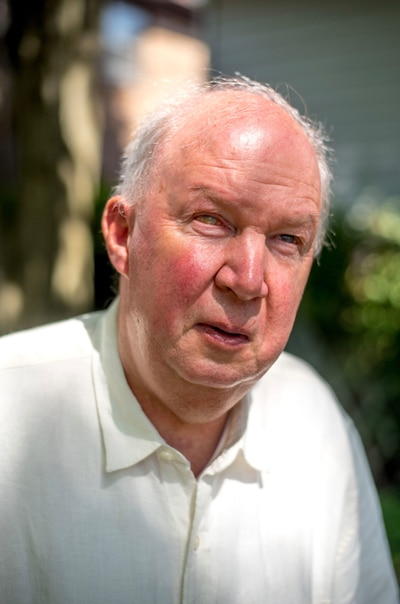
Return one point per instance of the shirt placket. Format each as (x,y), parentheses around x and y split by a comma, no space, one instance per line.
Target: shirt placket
(198,586)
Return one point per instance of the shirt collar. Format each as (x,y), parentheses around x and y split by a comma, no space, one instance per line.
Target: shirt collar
(245,436)
(129,437)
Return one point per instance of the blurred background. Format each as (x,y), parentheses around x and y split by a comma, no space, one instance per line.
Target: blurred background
(76,75)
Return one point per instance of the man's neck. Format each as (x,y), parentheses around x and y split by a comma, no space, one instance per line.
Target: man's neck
(196,441)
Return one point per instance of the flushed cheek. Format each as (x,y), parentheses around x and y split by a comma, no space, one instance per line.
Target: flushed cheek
(177,291)
(188,275)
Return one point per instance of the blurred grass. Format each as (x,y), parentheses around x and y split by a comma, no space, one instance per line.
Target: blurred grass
(390,502)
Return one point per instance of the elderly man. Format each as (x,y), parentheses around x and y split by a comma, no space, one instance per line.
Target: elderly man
(167,451)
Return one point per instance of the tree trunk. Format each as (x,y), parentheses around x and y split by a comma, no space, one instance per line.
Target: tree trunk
(53,47)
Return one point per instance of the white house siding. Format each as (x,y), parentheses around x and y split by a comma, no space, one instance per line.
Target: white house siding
(342,58)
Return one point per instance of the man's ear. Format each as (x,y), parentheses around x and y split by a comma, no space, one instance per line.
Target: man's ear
(115,228)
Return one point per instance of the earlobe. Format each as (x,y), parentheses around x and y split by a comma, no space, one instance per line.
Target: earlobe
(115,228)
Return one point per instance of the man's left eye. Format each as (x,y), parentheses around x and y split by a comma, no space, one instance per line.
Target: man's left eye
(288,238)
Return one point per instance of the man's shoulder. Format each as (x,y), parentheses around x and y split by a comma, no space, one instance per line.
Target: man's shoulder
(292,387)
(49,343)
(290,370)
(296,419)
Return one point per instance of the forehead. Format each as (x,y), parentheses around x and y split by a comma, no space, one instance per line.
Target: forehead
(241,133)
(237,125)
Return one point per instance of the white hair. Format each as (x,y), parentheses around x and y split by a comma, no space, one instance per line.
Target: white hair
(140,154)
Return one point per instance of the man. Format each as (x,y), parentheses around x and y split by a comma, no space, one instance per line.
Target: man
(167,450)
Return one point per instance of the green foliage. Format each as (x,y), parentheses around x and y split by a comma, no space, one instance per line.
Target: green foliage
(390,502)
(372,279)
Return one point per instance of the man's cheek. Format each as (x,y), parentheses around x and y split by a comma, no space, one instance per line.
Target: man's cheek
(188,276)
(285,296)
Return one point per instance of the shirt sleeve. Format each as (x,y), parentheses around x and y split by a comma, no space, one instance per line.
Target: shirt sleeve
(364,572)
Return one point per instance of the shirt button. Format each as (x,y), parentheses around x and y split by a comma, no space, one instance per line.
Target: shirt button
(196,543)
(166,455)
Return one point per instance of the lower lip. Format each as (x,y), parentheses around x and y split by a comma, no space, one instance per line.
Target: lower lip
(222,337)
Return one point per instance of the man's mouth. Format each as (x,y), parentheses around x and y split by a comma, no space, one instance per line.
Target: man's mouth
(223,335)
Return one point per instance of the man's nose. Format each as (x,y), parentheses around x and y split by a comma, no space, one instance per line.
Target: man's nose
(244,268)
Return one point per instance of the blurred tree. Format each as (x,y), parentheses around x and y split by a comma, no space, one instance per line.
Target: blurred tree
(53,53)
(372,321)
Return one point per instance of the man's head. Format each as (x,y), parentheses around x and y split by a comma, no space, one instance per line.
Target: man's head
(214,240)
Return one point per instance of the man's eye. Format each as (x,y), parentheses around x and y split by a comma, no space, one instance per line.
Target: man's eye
(288,238)
(207,219)
(292,239)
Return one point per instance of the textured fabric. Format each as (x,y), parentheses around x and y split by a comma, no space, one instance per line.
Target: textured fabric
(96,508)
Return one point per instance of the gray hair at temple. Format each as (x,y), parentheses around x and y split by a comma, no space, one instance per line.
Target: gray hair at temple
(140,154)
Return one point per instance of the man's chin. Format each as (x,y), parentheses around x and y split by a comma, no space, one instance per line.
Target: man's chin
(221,377)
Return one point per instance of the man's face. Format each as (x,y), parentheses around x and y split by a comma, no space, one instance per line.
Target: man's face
(220,250)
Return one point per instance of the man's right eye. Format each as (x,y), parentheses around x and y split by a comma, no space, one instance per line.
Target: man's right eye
(208,219)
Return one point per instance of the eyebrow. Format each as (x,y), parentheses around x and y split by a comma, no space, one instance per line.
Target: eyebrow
(203,189)
(311,219)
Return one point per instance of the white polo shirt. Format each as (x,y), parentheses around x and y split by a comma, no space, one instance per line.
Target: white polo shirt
(95,508)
